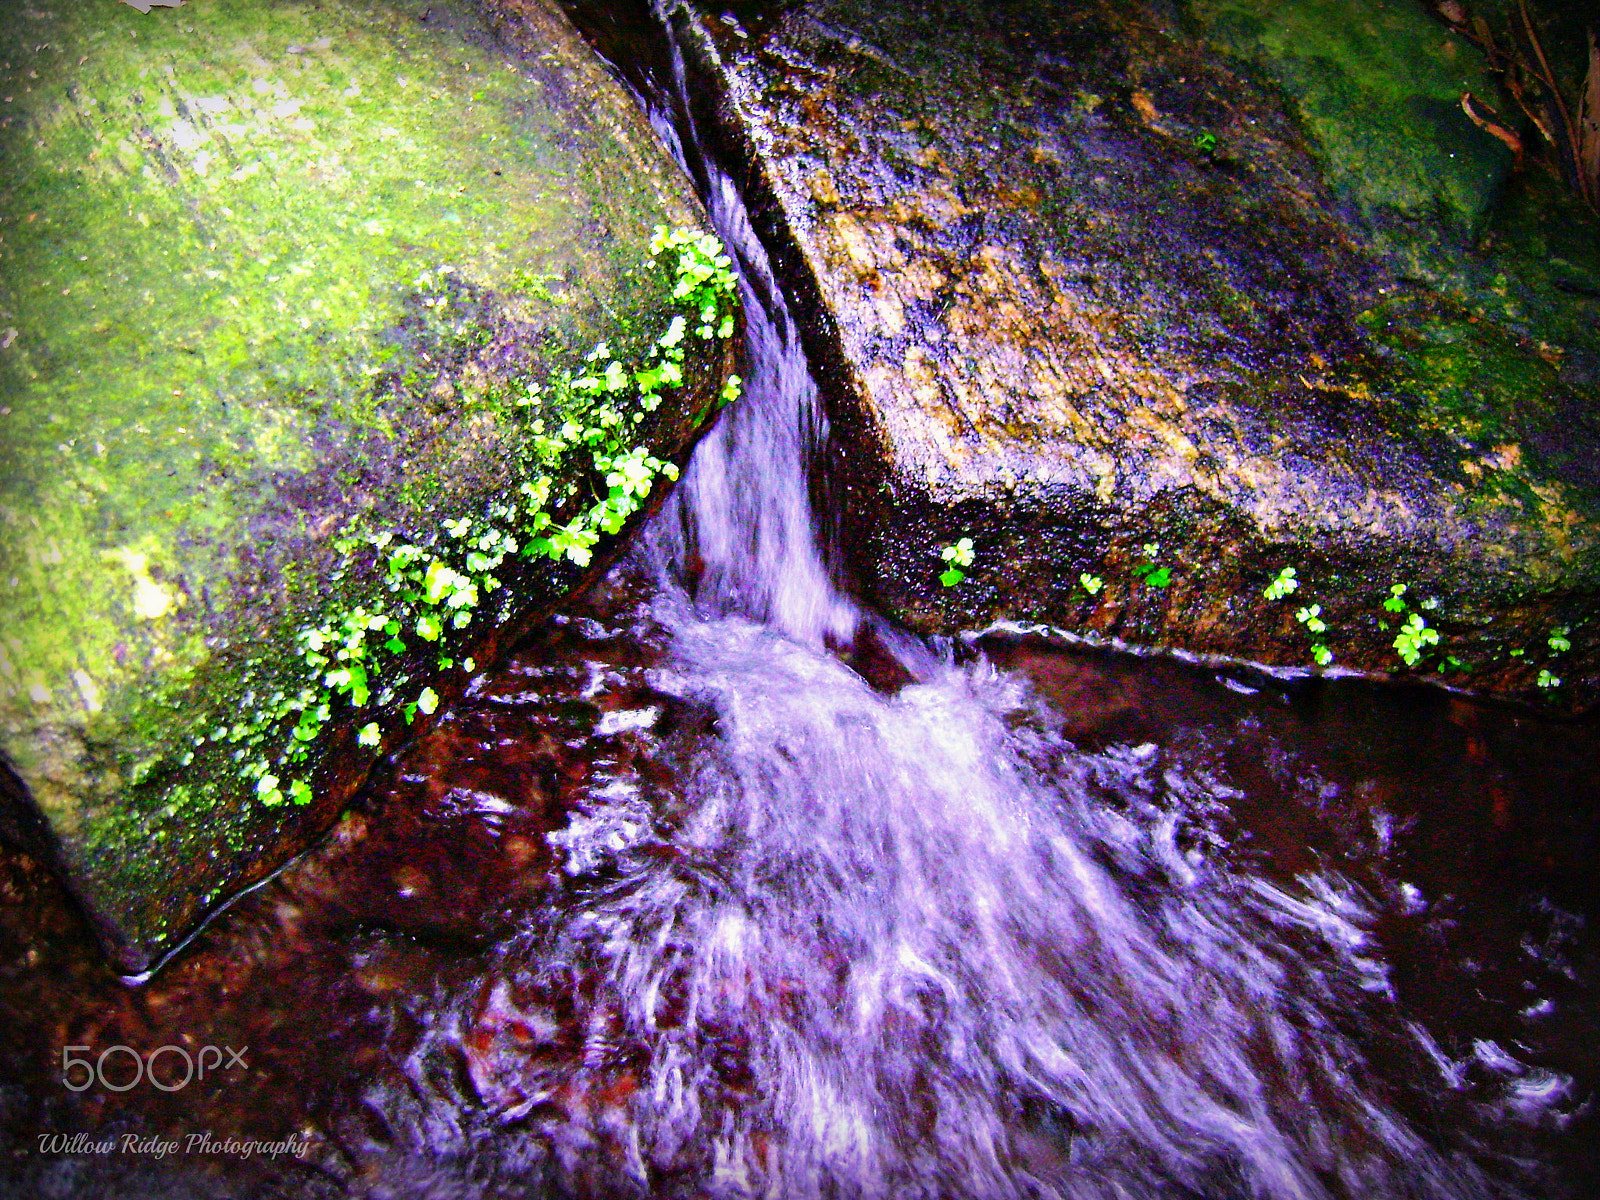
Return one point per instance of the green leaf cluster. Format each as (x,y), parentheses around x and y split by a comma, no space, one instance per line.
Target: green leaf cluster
(439,583)
(1282,584)
(1311,617)
(1148,572)
(1414,637)
(958,556)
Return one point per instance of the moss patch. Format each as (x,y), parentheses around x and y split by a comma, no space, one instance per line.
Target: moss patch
(271,274)
(1378,86)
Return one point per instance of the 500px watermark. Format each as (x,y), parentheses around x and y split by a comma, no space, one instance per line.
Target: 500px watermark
(129,1068)
(151,1146)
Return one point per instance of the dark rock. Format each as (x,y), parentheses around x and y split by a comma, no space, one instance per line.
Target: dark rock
(1240,280)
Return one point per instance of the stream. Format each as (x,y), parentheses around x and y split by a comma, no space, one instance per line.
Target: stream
(723,886)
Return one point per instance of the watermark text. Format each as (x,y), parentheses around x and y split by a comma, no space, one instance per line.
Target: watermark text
(166,1068)
(154,1146)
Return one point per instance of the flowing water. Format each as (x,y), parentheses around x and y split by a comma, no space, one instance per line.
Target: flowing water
(915,943)
(831,912)
(910,941)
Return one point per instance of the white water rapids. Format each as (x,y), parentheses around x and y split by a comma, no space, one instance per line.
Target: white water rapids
(916,945)
(912,945)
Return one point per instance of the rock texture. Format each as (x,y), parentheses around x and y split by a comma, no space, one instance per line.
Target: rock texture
(270,276)
(1236,280)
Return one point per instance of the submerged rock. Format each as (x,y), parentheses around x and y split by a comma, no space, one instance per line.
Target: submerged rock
(301,404)
(1154,303)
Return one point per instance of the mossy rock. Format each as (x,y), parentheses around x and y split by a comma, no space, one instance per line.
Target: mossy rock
(1240,281)
(283,285)
(1378,85)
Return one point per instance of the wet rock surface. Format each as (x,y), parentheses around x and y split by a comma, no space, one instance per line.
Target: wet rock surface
(409,1019)
(1233,280)
(271,278)
(352,976)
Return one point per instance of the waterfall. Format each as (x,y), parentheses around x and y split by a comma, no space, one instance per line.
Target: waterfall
(918,944)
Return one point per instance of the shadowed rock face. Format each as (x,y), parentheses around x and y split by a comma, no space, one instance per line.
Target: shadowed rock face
(271,276)
(1241,281)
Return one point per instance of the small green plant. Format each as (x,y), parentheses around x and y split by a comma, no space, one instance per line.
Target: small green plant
(1148,572)
(1205,141)
(1283,583)
(958,556)
(1559,642)
(444,580)
(1413,638)
(1413,641)
(1311,618)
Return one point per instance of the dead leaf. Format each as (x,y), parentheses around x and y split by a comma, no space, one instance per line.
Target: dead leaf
(1512,141)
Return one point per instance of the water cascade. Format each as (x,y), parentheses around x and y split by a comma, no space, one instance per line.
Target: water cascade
(831,911)
(910,941)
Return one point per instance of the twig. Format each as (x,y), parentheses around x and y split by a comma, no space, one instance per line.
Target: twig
(1512,141)
(1575,166)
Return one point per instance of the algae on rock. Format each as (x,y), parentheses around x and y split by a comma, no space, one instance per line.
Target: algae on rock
(275,278)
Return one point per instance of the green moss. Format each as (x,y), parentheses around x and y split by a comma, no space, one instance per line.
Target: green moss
(432,590)
(1378,86)
(1495,397)
(404,600)
(269,272)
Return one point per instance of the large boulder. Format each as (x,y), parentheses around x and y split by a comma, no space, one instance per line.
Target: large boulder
(334,341)
(1238,281)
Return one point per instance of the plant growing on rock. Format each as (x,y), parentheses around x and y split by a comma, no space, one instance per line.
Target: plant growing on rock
(1147,570)
(1559,643)
(440,582)
(958,556)
(1414,637)
(1283,583)
(1311,618)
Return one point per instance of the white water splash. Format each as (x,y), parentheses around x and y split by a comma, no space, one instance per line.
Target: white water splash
(916,945)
